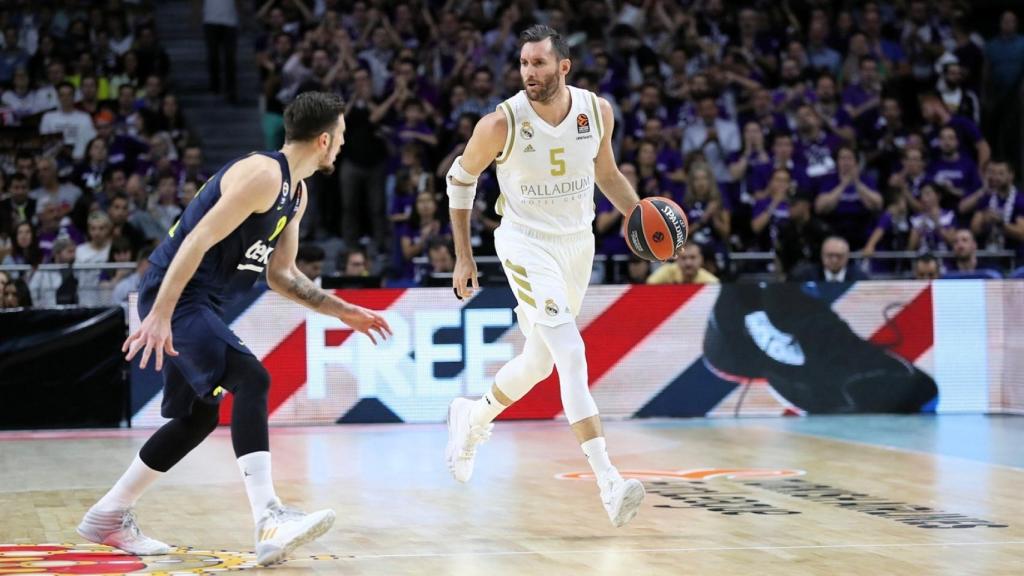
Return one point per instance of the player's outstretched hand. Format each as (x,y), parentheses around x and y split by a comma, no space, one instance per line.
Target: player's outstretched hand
(366,321)
(153,336)
(465,273)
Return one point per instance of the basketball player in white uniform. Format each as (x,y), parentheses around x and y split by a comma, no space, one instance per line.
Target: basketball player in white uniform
(551,143)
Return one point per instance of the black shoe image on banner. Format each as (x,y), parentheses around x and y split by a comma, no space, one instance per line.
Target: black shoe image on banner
(807,353)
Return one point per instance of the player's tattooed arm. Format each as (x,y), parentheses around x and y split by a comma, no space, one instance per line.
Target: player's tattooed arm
(305,290)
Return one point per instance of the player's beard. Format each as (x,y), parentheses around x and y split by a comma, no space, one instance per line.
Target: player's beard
(547,89)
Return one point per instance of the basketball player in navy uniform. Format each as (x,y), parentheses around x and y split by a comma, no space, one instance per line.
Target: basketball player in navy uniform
(243,222)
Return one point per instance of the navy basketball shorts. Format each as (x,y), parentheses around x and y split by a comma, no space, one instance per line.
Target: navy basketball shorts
(201,338)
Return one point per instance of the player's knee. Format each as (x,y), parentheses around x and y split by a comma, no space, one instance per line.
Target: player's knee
(538,369)
(249,377)
(205,417)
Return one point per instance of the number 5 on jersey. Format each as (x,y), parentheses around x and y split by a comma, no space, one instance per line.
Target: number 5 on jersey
(557,164)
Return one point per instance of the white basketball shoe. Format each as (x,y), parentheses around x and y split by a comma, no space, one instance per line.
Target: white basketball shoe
(621,498)
(119,529)
(463,438)
(280,530)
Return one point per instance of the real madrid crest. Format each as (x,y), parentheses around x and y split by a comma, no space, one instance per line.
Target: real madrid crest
(550,307)
(526,130)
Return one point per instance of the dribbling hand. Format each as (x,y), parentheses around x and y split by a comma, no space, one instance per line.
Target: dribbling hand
(366,321)
(153,335)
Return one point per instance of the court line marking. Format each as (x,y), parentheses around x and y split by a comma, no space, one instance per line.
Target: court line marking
(892,448)
(676,550)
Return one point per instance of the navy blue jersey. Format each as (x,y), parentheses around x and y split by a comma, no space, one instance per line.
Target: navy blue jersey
(234,263)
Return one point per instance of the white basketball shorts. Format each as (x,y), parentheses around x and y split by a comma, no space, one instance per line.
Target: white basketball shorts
(548,274)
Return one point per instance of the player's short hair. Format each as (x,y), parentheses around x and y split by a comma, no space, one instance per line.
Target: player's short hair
(541,32)
(311,114)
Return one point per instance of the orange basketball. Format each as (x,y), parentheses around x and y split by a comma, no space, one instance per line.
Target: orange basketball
(656,228)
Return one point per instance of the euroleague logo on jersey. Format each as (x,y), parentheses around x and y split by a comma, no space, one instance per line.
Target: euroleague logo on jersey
(582,124)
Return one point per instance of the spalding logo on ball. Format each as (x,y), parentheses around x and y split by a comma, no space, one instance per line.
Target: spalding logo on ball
(656,229)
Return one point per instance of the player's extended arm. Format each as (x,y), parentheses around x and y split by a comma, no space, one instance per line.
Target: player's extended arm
(284,277)
(486,144)
(249,186)
(609,179)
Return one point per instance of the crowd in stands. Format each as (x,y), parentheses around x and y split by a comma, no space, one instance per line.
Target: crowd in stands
(96,159)
(889,125)
(808,129)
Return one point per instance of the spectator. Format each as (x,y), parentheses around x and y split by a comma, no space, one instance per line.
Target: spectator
(75,125)
(17,295)
(442,261)
(836,119)
(885,142)
(192,166)
(51,190)
(95,251)
(12,57)
(926,267)
(165,210)
(52,226)
(18,206)
(771,210)
(363,167)
(892,232)
(220,27)
(835,263)
(911,178)
(52,287)
(481,100)
(713,137)
(687,269)
(999,210)
(118,214)
(965,252)
(708,217)
(800,237)
(608,219)
(849,200)
(121,252)
(957,174)
(22,101)
(814,147)
(1004,70)
(972,143)
(819,55)
(310,261)
(353,263)
(172,121)
(424,226)
(130,283)
(932,230)
(958,98)
(751,168)
(88,174)
(25,248)
(637,270)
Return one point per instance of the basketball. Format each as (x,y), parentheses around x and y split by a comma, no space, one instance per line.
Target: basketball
(656,229)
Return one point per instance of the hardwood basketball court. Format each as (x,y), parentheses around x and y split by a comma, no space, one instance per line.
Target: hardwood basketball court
(822,495)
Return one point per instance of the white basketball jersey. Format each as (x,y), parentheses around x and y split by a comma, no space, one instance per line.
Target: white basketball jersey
(546,173)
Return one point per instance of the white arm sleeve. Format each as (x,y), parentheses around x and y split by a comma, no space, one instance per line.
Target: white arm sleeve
(460,196)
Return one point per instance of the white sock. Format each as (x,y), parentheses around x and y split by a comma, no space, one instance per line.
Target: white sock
(135,480)
(485,410)
(259,483)
(597,457)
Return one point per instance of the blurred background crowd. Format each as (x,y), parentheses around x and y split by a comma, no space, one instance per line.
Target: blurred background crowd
(793,132)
